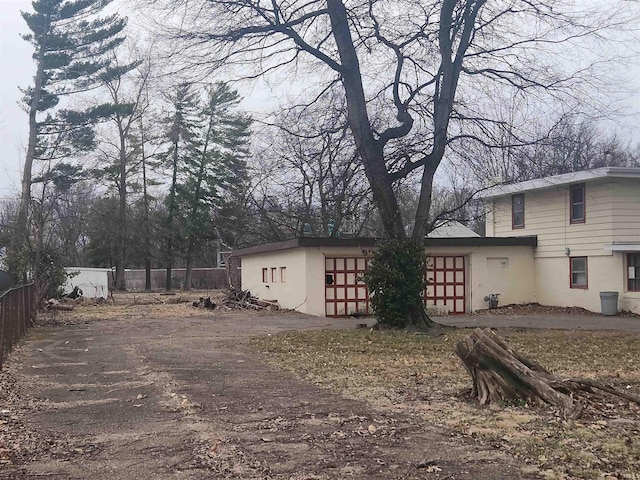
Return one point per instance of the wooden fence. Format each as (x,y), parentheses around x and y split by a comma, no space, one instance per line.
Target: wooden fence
(17,310)
(201,279)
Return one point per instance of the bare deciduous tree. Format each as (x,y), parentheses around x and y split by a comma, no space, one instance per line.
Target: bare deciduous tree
(311,161)
(428,66)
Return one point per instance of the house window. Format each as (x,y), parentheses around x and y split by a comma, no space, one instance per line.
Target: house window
(274,276)
(578,273)
(517,211)
(265,275)
(577,203)
(283,274)
(633,272)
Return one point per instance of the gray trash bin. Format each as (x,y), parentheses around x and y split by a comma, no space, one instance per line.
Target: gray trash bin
(609,303)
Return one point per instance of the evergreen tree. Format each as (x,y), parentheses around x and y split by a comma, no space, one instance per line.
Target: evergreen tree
(216,173)
(182,125)
(72,52)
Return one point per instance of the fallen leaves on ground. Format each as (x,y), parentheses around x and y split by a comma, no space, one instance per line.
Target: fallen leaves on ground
(18,442)
(538,309)
(421,375)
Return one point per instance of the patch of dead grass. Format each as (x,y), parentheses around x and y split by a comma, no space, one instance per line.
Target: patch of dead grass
(421,375)
(131,305)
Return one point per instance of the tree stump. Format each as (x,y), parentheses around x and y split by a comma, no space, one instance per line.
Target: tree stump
(502,375)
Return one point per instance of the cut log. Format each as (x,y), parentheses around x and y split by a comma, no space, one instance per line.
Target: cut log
(53,304)
(501,375)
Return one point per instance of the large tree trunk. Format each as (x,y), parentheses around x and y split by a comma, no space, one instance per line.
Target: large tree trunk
(501,375)
(21,232)
(147,226)
(370,149)
(121,254)
(187,271)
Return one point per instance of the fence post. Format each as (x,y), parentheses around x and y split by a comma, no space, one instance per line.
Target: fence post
(17,307)
(3,323)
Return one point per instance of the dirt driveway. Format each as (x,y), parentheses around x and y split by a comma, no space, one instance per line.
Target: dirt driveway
(176,398)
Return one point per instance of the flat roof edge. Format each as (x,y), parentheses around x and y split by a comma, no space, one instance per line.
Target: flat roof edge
(524,241)
(527,241)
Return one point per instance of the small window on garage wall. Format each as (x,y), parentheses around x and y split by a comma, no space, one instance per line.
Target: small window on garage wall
(283,274)
(265,275)
(578,272)
(633,272)
(274,274)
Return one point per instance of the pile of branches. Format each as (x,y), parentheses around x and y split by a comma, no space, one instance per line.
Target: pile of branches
(238,299)
(243,299)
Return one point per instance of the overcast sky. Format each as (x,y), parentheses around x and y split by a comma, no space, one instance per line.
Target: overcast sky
(16,69)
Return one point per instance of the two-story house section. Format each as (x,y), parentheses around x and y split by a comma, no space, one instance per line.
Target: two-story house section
(588,229)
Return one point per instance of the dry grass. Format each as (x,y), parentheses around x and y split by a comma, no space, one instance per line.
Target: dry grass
(422,376)
(130,305)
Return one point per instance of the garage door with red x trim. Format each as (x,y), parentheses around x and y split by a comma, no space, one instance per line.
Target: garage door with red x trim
(446,275)
(345,292)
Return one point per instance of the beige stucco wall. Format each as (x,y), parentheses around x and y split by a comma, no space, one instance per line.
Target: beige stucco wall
(291,294)
(605,274)
(504,270)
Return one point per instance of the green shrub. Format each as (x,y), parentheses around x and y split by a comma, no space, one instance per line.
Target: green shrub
(396,281)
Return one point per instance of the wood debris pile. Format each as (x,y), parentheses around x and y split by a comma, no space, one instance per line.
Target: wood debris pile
(238,299)
(53,304)
(67,304)
(205,303)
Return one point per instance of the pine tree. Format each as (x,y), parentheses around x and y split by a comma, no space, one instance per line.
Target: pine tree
(72,52)
(216,174)
(181,128)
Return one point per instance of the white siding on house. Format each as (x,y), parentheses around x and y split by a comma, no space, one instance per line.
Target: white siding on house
(612,216)
(625,206)
(547,216)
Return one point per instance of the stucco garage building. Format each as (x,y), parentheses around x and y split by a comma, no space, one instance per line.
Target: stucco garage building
(320,276)
(564,240)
